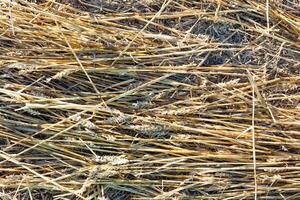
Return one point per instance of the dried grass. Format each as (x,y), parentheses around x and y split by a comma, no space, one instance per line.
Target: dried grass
(149,99)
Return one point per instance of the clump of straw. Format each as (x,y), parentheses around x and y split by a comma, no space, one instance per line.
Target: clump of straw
(169,99)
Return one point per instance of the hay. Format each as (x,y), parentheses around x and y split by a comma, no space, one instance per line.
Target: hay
(149,99)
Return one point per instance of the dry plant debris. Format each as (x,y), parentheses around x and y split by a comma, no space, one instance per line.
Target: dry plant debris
(169,99)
